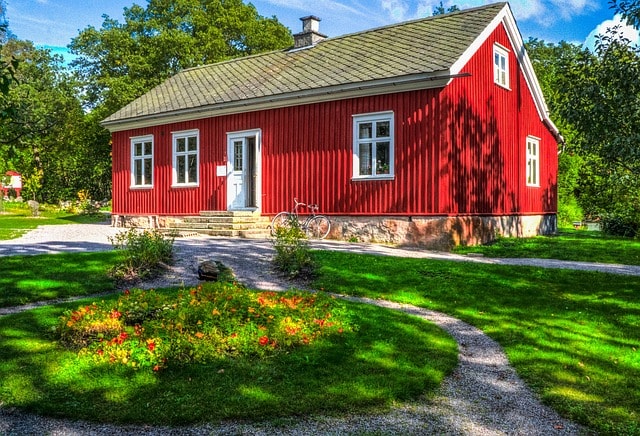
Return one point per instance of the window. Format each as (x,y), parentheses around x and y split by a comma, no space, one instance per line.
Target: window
(238,147)
(142,162)
(185,158)
(501,66)
(533,166)
(373,145)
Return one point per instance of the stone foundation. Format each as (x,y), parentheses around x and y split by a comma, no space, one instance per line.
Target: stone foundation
(144,221)
(440,233)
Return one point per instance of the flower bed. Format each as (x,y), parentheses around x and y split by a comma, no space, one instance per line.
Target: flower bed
(153,330)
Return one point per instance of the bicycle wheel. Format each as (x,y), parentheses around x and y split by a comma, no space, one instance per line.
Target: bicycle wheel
(318,227)
(281,220)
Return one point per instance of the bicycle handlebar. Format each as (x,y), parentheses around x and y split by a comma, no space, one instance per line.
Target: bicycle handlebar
(313,207)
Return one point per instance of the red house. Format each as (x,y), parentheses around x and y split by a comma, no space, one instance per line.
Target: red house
(432,132)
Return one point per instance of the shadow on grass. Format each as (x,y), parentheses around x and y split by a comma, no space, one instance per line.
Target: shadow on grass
(574,336)
(24,279)
(392,357)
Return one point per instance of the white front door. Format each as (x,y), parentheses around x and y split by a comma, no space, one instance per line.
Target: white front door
(243,169)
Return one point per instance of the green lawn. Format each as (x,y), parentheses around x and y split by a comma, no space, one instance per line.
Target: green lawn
(574,337)
(388,357)
(24,279)
(16,219)
(568,244)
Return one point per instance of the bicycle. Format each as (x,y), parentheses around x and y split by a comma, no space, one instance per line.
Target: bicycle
(315,226)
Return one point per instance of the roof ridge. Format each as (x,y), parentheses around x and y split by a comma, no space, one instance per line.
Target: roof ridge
(347,35)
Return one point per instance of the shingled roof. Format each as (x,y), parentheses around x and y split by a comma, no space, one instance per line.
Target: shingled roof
(424,50)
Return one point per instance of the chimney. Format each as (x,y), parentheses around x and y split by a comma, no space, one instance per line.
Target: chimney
(310,34)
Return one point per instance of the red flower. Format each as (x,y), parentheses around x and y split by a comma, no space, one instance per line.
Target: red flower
(156,368)
(100,352)
(126,292)
(115,314)
(264,340)
(151,346)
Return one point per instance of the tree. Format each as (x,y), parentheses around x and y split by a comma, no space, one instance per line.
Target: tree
(121,61)
(629,9)
(601,102)
(440,10)
(47,137)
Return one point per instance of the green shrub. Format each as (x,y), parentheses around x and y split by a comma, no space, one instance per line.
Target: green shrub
(144,253)
(148,329)
(293,255)
(621,225)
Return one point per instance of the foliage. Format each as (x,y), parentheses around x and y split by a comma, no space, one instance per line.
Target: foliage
(293,256)
(392,357)
(121,61)
(143,253)
(629,9)
(47,136)
(598,110)
(147,329)
(601,103)
(568,244)
(618,225)
(25,279)
(440,9)
(571,335)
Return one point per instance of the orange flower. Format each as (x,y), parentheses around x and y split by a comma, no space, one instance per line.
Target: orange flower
(199,335)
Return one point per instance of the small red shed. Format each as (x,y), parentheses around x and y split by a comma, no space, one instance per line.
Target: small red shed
(13,181)
(431,132)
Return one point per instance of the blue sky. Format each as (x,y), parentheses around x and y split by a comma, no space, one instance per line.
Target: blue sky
(52,23)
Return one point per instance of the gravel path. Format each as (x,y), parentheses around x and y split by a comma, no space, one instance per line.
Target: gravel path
(483,396)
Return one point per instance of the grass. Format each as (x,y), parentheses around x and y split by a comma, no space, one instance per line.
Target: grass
(24,279)
(568,244)
(16,219)
(391,357)
(573,336)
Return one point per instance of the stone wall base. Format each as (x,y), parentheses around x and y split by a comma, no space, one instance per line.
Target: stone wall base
(145,221)
(440,233)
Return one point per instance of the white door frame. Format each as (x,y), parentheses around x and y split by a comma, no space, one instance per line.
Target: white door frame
(254,179)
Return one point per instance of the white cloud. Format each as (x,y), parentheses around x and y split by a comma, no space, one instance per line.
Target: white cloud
(328,6)
(625,31)
(396,9)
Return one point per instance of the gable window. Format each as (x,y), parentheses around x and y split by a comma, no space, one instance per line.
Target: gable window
(185,158)
(533,165)
(142,162)
(501,66)
(373,145)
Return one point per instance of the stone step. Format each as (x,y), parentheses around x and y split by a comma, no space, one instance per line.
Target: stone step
(219,220)
(235,213)
(212,226)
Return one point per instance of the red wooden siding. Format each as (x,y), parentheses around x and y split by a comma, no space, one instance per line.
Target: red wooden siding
(458,150)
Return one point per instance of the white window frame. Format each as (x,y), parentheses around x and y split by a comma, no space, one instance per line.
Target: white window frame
(185,134)
(142,157)
(373,118)
(501,66)
(533,161)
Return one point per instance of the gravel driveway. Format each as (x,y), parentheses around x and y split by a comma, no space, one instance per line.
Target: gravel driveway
(483,396)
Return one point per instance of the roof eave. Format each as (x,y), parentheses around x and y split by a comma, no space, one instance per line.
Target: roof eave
(339,92)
